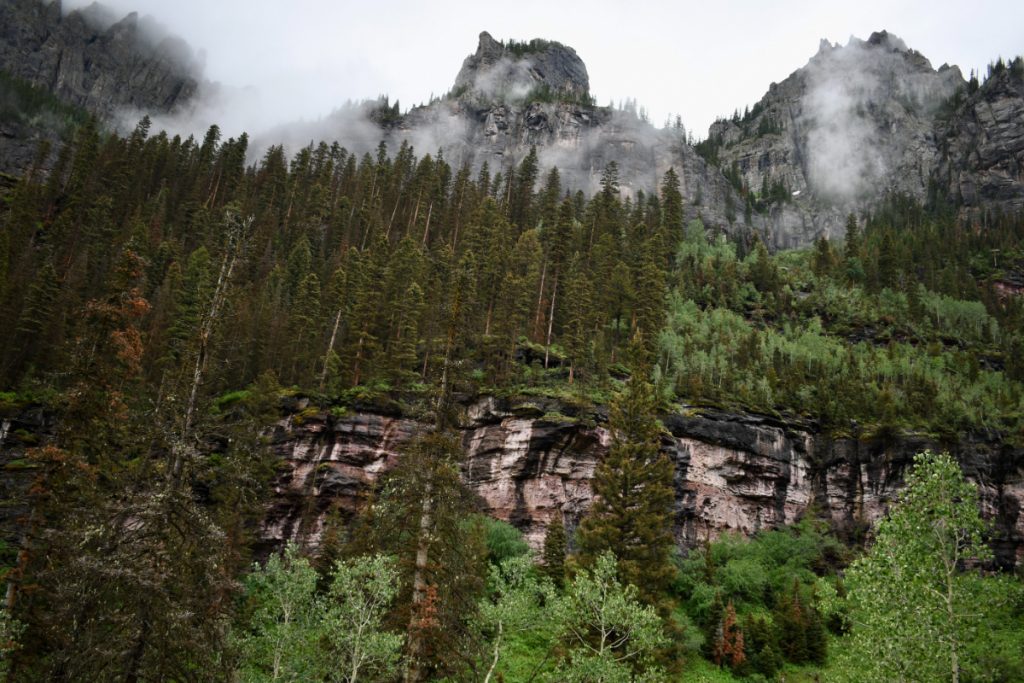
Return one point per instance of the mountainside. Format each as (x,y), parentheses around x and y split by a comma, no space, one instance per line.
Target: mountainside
(855,123)
(867,119)
(982,145)
(510,98)
(393,368)
(86,60)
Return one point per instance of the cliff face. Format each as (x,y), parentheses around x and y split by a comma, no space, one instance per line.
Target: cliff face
(495,71)
(982,160)
(88,60)
(853,124)
(870,118)
(507,99)
(531,461)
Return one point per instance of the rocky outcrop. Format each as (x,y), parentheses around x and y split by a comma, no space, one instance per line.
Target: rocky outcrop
(577,138)
(508,99)
(871,118)
(86,59)
(982,163)
(530,461)
(89,60)
(497,72)
(856,122)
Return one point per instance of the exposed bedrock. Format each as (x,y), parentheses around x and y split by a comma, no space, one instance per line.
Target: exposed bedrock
(532,460)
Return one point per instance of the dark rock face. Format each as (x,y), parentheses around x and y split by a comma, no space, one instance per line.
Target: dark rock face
(983,147)
(19,432)
(495,72)
(89,61)
(853,124)
(870,118)
(531,461)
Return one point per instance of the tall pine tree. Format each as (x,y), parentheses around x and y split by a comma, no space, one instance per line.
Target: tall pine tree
(632,510)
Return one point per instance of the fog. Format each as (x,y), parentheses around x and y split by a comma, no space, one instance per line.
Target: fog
(280,62)
(853,108)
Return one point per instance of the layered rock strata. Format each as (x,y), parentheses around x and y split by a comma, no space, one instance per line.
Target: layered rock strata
(530,461)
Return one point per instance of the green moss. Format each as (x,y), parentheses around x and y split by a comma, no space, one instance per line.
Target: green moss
(20,464)
(552,416)
(230,398)
(25,437)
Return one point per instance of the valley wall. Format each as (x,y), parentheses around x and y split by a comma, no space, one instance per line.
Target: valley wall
(532,460)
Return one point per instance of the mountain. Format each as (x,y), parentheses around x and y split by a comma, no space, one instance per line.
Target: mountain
(508,98)
(870,118)
(86,60)
(856,123)
(369,350)
(89,60)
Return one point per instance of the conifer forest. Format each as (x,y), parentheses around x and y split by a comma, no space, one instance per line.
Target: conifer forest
(305,414)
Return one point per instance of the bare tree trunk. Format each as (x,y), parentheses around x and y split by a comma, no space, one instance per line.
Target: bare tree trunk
(551,321)
(387,233)
(537,319)
(426,230)
(415,212)
(330,347)
(497,651)
(236,239)
(419,584)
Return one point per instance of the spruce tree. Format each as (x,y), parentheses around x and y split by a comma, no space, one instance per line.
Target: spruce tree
(671,228)
(421,517)
(632,510)
(554,550)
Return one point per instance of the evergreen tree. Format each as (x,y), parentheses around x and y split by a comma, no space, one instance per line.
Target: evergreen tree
(632,510)
(402,357)
(420,517)
(671,227)
(728,649)
(555,543)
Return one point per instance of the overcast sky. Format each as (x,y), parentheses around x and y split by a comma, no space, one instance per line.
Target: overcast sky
(303,58)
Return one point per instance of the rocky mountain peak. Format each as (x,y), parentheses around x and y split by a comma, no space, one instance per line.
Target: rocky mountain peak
(857,122)
(499,71)
(90,59)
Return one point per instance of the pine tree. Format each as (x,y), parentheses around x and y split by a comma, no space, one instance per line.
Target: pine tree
(632,510)
(577,335)
(304,325)
(420,517)
(32,333)
(554,550)
(729,649)
(402,355)
(824,259)
(671,227)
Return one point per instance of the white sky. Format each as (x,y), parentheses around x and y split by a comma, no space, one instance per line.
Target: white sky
(696,59)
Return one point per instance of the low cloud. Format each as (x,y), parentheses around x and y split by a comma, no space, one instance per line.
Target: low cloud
(860,104)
